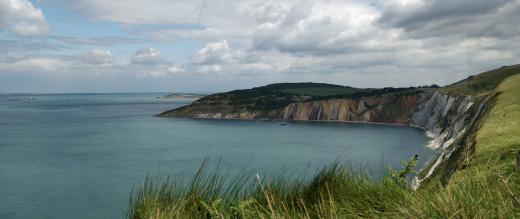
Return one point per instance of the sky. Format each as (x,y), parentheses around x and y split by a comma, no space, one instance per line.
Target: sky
(53,46)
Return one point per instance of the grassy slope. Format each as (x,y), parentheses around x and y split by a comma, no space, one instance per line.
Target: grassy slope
(498,140)
(483,83)
(309,89)
(320,92)
(488,187)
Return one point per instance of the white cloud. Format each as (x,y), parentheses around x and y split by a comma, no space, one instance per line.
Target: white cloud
(140,11)
(97,41)
(153,73)
(34,65)
(22,18)
(171,35)
(97,57)
(214,52)
(204,69)
(176,69)
(268,12)
(148,56)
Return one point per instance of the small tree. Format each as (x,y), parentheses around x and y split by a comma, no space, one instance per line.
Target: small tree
(401,177)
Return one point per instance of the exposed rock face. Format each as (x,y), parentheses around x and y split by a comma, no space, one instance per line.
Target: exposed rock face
(449,120)
(452,121)
(385,109)
(443,116)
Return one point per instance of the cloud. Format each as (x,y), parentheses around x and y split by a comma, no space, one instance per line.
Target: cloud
(139,11)
(35,64)
(97,57)
(214,52)
(470,18)
(205,69)
(268,12)
(176,69)
(171,35)
(46,64)
(95,61)
(148,56)
(22,18)
(14,46)
(97,41)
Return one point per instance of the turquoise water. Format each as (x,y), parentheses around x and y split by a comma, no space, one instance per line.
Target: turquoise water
(78,156)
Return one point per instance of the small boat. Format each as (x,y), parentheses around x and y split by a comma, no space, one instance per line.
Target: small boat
(283,123)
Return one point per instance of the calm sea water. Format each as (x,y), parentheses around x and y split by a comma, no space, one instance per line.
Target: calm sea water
(78,156)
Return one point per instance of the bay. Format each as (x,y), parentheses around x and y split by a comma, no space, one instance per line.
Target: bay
(80,155)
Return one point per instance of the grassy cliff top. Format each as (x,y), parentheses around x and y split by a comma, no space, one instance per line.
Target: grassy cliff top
(321,90)
(498,140)
(275,96)
(309,89)
(483,83)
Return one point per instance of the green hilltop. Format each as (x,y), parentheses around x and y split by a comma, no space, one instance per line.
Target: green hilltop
(275,96)
(483,83)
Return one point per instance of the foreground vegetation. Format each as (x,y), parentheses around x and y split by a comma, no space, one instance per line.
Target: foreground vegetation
(488,187)
(334,192)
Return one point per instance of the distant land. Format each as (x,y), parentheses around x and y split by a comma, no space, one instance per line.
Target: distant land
(183,96)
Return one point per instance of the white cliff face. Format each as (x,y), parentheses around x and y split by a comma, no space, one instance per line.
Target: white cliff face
(446,119)
(443,116)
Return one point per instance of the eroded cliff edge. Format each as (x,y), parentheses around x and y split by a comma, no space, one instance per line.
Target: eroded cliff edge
(397,109)
(451,115)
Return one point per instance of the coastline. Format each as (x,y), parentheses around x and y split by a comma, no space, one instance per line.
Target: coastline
(301,120)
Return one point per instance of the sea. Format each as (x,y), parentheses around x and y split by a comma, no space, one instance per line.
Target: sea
(82,155)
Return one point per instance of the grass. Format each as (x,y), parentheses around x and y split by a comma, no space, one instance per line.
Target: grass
(498,140)
(483,83)
(320,92)
(334,192)
(210,196)
(310,89)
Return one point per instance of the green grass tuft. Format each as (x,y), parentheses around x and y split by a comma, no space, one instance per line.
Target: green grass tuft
(334,192)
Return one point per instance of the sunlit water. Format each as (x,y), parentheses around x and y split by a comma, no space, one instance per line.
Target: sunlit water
(78,156)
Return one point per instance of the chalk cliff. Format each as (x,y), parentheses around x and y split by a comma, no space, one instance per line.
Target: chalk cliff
(451,121)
